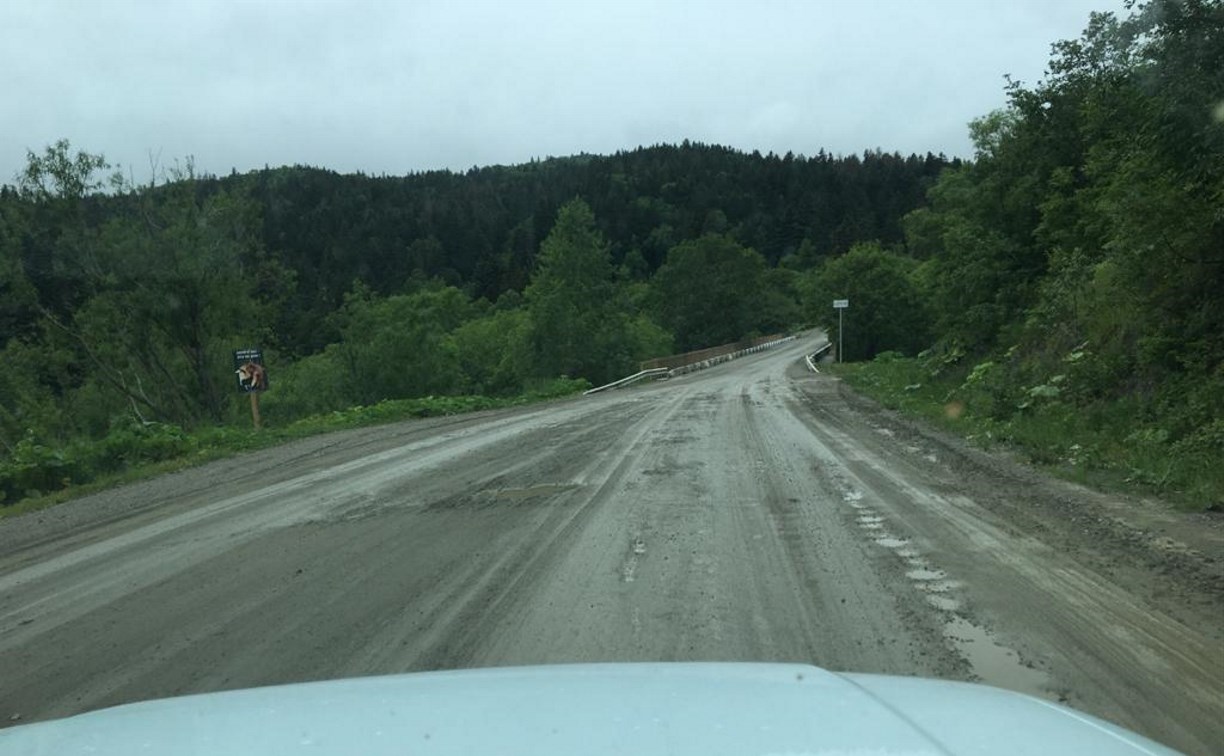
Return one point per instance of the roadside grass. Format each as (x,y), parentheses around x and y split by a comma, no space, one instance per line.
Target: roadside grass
(1114,446)
(39,476)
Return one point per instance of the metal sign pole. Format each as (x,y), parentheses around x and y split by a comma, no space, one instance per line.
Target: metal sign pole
(839,335)
(839,305)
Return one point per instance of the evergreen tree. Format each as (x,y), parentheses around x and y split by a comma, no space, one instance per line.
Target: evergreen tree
(579,314)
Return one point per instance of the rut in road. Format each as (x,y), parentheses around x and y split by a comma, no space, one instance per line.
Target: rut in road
(741,513)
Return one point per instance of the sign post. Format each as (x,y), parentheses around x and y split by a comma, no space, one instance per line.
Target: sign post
(839,305)
(255,418)
(252,378)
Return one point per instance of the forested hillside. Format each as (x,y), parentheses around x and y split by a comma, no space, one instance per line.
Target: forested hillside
(1070,279)
(481,231)
(121,302)
(1063,288)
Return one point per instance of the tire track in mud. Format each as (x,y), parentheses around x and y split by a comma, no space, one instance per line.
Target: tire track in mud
(746,512)
(714,546)
(158,550)
(496,604)
(880,629)
(198,620)
(1025,615)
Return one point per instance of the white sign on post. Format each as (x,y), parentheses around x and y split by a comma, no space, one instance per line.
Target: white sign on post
(839,305)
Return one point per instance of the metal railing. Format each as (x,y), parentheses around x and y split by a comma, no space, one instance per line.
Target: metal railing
(703,355)
(716,356)
(811,358)
(654,372)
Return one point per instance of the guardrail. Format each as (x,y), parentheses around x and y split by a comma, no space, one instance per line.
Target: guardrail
(719,359)
(660,372)
(630,379)
(811,358)
(671,362)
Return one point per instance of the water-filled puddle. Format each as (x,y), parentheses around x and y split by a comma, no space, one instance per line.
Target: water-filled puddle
(996,664)
(926,574)
(889,542)
(992,662)
(942,602)
(938,586)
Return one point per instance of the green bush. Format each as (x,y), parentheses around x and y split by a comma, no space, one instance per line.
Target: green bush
(1160,444)
(310,386)
(34,468)
(131,442)
(493,352)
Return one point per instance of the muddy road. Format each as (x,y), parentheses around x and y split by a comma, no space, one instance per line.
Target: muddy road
(753,511)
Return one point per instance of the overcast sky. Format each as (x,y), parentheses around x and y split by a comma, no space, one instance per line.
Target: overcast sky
(408,85)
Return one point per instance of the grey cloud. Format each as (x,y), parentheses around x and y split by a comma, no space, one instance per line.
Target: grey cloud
(391,87)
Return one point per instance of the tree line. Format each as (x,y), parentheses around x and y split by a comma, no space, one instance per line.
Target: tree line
(1073,271)
(120,303)
(1076,260)
(481,230)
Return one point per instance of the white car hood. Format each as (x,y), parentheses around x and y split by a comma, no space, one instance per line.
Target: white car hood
(591,710)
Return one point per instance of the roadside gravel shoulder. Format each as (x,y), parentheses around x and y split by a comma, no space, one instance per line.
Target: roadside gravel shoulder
(92,517)
(1173,556)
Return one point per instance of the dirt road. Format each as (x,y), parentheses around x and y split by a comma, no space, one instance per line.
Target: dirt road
(753,511)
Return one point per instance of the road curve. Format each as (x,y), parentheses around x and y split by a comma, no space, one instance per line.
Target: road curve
(750,512)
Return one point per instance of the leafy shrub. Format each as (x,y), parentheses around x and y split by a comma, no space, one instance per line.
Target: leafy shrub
(1163,446)
(34,468)
(310,386)
(494,351)
(131,442)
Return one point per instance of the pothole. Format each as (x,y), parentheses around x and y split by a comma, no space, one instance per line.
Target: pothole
(925,574)
(993,662)
(637,549)
(891,542)
(530,492)
(629,570)
(942,602)
(938,586)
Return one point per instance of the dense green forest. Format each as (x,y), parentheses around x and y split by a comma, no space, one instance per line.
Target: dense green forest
(1066,287)
(121,303)
(1070,274)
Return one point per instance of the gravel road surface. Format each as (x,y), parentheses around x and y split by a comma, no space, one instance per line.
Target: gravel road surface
(750,512)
